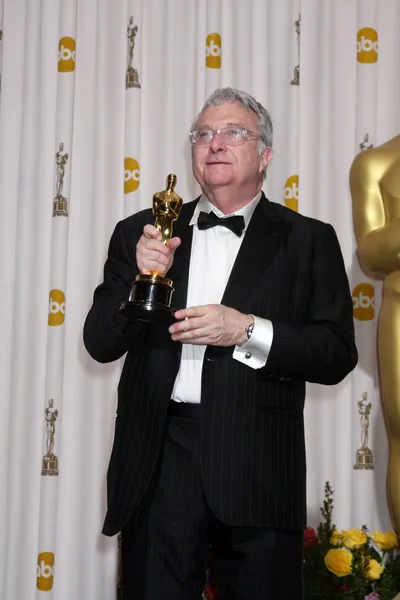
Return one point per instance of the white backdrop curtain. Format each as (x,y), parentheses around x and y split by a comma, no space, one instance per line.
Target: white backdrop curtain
(63,81)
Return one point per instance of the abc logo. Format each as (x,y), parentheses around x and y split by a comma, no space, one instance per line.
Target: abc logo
(364,302)
(367,45)
(131,175)
(45,571)
(56,307)
(213,51)
(66,55)
(292,192)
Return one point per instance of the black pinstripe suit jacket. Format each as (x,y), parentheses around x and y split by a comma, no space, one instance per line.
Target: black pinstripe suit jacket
(290,270)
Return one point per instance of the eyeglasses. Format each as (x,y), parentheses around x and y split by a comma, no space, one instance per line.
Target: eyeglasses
(233,136)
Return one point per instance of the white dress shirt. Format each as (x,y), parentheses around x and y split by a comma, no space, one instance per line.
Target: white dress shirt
(212,257)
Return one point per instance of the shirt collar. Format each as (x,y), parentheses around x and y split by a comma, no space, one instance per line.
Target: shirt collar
(204,205)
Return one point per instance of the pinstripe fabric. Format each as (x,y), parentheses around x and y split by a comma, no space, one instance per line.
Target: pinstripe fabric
(164,544)
(290,270)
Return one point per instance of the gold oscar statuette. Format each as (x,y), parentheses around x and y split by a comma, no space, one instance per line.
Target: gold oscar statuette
(375,193)
(50,460)
(150,298)
(364,458)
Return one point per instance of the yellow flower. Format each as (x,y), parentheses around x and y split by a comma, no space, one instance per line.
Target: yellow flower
(354,538)
(336,538)
(385,541)
(374,570)
(338,562)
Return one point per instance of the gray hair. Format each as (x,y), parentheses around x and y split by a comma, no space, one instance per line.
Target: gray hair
(264,122)
(228,94)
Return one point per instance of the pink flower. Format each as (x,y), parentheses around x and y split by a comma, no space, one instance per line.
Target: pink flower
(310,538)
(373,596)
(212,592)
(340,588)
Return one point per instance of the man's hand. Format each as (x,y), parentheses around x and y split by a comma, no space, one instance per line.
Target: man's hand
(213,324)
(152,256)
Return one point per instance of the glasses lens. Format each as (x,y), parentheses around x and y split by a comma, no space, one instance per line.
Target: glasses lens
(231,135)
(201,136)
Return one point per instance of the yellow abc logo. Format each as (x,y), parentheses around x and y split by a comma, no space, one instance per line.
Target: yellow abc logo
(45,571)
(131,175)
(292,192)
(364,302)
(213,51)
(367,45)
(56,307)
(66,55)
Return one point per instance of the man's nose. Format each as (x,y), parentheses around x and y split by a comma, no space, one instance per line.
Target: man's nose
(216,144)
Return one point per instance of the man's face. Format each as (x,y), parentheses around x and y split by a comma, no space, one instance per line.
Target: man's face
(217,165)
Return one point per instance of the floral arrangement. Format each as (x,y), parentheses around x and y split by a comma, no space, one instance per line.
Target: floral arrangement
(350,564)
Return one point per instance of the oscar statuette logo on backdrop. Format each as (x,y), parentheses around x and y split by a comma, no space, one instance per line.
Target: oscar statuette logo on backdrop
(296,70)
(365,143)
(1,39)
(131,75)
(50,460)
(131,175)
(60,203)
(213,51)
(45,571)
(56,307)
(66,55)
(364,457)
(292,193)
(367,45)
(364,302)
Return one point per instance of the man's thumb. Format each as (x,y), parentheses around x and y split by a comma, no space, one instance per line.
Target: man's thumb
(174,243)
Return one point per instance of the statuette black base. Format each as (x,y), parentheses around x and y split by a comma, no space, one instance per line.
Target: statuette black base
(150,300)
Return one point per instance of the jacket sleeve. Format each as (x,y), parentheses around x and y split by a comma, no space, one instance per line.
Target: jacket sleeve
(107,334)
(321,349)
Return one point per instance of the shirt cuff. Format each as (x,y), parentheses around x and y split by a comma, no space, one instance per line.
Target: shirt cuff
(254,353)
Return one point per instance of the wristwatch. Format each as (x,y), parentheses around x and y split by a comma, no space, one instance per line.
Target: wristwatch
(249,329)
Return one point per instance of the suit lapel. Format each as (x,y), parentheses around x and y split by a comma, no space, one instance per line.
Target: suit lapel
(264,236)
(179,272)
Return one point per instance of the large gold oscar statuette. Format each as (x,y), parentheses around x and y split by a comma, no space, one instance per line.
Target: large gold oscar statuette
(375,192)
(364,457)
(150,298)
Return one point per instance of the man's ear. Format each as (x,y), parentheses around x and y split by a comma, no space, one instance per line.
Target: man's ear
(265,158)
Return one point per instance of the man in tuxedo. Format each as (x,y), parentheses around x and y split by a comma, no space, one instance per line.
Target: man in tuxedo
(209,446)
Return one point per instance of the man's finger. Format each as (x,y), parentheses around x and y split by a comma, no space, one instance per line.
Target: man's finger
(174,243)
(186,324)
(193,311)
(149,231)
(191,336)
(155,246)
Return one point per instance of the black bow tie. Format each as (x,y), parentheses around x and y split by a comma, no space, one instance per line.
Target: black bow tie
(235,223)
